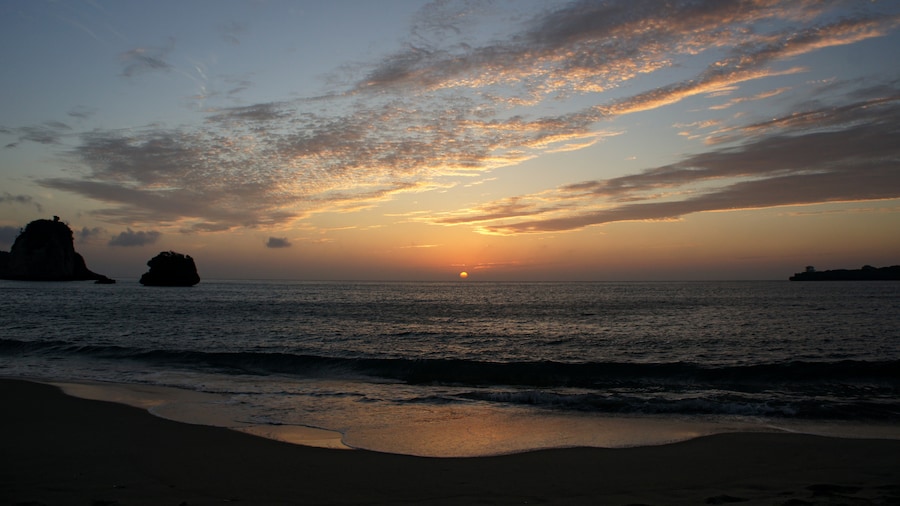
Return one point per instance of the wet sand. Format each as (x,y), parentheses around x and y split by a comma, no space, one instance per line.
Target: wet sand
(57,449)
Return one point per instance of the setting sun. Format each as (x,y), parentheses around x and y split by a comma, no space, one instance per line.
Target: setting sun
(463,275)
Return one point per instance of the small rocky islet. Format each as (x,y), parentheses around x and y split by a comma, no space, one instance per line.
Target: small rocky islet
(171,269)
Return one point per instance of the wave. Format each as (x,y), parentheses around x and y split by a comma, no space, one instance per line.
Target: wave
(841,389)
(775,405)
(461,372)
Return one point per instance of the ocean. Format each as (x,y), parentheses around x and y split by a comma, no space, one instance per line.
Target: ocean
(475,368)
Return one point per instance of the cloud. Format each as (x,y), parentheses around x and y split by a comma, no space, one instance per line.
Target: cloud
(419,246)
(8,198)
(50,132)
(88,234)
(880,181)
(219,178)
(848,153)
(589,46)
(513,207)
(452,103)
(747,63)
(278,242)
(237,84)
(132,238)
(81,112)
(141,60)
(256,112)
(758,96)
(168,176)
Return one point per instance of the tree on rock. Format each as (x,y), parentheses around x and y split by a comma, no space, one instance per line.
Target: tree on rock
(171,269)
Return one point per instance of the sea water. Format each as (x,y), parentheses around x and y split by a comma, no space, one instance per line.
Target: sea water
(473,368)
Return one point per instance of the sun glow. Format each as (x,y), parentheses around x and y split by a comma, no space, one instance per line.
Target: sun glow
(463,275)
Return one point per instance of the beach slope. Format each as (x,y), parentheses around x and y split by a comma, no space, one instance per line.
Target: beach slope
(63,450)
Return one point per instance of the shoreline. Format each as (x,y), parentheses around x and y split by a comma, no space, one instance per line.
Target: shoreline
(455,432)
(60,449)
(196,408)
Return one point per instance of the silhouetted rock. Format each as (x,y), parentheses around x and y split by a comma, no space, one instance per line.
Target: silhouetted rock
(866,273)
(45,251)
(171,269)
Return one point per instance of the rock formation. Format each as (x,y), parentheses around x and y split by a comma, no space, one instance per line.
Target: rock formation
(866,273)
(171,269)
(45,251)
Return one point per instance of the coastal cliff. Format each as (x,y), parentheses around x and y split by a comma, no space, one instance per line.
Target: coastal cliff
(866,273)
(45,251)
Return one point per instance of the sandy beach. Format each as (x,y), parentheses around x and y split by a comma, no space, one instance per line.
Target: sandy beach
(62,450)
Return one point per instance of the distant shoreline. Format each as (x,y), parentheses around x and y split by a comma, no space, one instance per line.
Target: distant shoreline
(866,273)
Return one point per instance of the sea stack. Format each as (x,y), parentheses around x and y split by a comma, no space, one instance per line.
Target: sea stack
(45,251)
(171,269)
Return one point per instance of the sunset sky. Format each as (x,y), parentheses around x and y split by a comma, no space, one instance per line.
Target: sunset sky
(403,140)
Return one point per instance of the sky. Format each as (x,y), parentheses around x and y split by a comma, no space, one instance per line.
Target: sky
(412,140)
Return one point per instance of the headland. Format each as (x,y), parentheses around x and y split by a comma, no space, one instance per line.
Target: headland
(866,273)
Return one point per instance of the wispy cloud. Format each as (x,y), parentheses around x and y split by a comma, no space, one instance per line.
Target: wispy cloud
(81,112)
(450,104)
(848,153)
(141,60)
(253,113)
(50,132)
(8,198)
(418,246)
(588,46)
(758,96)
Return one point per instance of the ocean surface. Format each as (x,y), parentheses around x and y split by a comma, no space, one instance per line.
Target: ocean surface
(473,368)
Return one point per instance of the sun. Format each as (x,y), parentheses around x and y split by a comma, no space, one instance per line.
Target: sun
(463,275)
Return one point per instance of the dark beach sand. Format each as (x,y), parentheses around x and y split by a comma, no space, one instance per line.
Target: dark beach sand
(57,449)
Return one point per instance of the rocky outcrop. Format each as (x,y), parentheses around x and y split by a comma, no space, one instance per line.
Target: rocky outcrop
(45,251)
(171,269)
